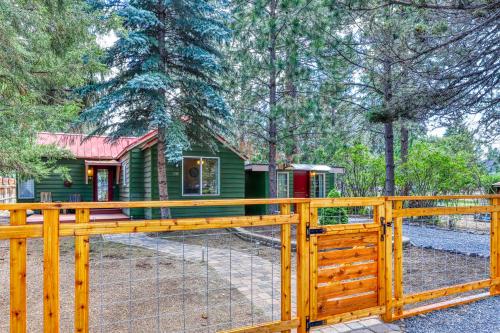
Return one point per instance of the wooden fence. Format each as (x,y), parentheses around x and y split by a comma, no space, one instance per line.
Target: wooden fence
(388,214)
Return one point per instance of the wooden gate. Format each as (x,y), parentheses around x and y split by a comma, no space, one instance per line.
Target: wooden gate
(347,269)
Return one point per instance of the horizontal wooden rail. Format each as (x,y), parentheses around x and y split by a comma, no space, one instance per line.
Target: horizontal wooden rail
(442,197)
(347,202)
(120,227)
(441,305)
(275,326)
(353,315)
(151,204)
(447,291)
(430,211)
(21,231)
(315,203)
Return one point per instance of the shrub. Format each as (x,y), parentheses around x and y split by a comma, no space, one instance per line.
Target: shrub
(333,215)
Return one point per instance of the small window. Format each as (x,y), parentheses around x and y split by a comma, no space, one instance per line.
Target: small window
(27,189)
(283,185)
(125,174)
(317,185)
(200,176)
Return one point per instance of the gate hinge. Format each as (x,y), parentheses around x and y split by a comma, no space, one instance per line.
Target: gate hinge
(384,226)
(310,324)
(314,231)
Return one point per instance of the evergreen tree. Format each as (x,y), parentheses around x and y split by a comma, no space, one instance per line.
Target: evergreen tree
(167,63)
(47,49)
(280,65)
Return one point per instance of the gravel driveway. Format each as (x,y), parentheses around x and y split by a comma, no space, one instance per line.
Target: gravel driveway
(478,317)
(448,240)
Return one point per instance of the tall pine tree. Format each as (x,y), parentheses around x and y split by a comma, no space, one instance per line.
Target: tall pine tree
(167,63)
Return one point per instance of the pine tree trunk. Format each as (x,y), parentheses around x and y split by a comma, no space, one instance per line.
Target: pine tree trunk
(162,173)
(388,130)
(404,155)
(292,149)
(389,159)
(161,147)
(272,130)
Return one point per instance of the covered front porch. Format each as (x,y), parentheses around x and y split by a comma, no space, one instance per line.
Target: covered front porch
(96,215)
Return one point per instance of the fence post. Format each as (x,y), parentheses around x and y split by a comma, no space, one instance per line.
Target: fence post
(82,249)
(51,270)
(495,247)
(18,276)
(302,267)
(388,262)
(286,268)
(398,258)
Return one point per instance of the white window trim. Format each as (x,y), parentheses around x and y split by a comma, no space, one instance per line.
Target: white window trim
(201,177)
(324,184)
(19,189)
(287,182)
(125,174)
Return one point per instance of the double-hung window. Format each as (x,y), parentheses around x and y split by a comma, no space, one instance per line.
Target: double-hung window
(200,176)
(283,185)
(318,185)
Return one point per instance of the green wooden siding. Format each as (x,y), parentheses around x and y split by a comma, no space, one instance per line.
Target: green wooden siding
(257,186)
(147,182)
(55,184)
(232,183)
(136,181)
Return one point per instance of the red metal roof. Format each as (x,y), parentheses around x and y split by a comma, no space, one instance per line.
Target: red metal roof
(94,147)
(100,148)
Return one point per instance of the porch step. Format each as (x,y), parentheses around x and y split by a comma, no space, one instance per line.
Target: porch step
(105,211)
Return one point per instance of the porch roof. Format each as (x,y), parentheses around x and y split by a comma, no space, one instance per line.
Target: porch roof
(302,167)
(103,163)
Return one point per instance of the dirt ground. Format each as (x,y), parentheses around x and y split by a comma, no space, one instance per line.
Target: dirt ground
(130,286)
(426,269)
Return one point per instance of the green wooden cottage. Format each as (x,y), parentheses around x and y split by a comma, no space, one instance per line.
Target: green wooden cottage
(126,170)
(294,181)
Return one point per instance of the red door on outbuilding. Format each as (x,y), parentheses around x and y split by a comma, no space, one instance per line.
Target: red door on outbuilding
(301,184)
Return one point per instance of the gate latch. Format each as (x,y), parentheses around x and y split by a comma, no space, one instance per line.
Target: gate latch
(310,324)
(314,231)
(384,226)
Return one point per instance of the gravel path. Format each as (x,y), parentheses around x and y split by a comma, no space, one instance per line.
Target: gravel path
(478,317)
(448,240)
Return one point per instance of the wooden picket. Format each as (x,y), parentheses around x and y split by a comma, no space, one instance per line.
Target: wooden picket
(82,250)
(18,275)
(51,270)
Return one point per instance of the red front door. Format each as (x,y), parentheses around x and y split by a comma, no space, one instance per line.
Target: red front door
(103,183)
(301,184)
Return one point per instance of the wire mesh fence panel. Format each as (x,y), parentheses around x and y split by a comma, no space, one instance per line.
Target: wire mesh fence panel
(345,215)
(187,281)
(34,285)
(445,250)
(67,284)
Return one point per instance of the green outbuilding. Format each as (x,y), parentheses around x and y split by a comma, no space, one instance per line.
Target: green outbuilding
(293,181)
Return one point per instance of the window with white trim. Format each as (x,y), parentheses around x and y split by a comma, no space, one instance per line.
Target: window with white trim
(27,189)
(317,185)
(125,173)
(283,185)
(200,176)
